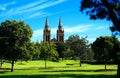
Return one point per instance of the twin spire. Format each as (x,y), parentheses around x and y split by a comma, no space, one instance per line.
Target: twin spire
(47,33)
(59,26)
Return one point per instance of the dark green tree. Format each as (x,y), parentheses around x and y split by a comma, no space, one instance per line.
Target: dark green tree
(61,48)
(104,9)
(48,52)
(14,37)
(37,50)
(27,52)
(103,48)
(79,46)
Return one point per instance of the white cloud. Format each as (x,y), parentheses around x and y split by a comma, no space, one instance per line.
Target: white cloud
(101,27)
(44,5)
(36,14)
(53,30)
(38,33)
(4,6)
(76,29)
(32,7)
(29,7)
(9,3)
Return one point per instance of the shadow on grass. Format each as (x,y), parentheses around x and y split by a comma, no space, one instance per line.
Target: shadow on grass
(4,70)
(30,68)
(100,70)
(58,76)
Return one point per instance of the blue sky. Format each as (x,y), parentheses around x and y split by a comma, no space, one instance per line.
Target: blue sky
(34,13)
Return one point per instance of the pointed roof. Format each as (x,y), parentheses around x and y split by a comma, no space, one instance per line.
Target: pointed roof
(46,24)
(60,24)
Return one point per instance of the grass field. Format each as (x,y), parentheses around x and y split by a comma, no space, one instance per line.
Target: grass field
(35,69)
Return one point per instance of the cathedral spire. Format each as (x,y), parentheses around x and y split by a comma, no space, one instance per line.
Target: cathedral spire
(60,32)
(60,22)
(46,23)
(46,36)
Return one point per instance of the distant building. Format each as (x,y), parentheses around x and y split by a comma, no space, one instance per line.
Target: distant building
(47,33)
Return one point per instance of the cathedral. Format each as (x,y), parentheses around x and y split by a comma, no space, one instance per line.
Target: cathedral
(47,33)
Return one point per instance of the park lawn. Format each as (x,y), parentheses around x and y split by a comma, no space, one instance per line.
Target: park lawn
(62,69)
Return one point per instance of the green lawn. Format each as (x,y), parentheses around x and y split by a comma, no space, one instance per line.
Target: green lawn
(35,69)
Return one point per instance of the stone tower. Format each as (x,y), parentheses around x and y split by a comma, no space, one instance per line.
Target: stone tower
(46,32)
(60,32)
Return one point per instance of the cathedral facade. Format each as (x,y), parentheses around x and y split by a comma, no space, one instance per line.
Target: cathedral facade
(47,33)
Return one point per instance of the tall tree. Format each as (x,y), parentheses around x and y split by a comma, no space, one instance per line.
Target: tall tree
(103,47)
(48,51)
(79,46)
(104,9)
(14,36)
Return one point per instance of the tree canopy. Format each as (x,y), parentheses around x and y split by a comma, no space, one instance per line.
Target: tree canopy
(61,48)
(48,52)
(103,9)
(78,47)
(103,48)
(14,38)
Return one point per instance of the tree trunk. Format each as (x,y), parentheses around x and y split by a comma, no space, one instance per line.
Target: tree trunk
(12,66)
(112,14)
(118,71)
(105,65)
(1,63)
(45,63)
(80,64)
(21,62)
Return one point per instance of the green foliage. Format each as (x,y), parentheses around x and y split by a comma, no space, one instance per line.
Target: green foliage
(37,48)
(61,48)
(14,40)
(103,48)
(78,45)
(103,9)
(69,54)
(48,51)
(79,48)
(13,37)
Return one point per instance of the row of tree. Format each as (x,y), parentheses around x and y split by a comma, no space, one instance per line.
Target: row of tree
(74,47)
(15,44)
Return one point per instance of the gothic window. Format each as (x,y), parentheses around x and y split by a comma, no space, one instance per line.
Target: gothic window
(46,38)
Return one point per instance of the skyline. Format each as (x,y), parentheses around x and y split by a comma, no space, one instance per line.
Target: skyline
(34,13)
